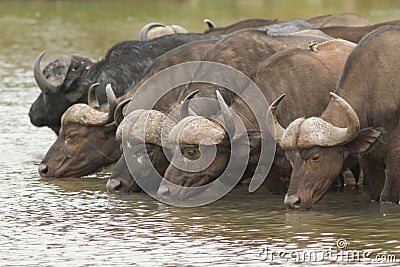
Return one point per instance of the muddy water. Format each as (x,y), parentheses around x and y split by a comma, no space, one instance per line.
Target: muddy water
(75,222)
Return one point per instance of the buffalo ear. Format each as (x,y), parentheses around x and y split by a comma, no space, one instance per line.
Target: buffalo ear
(76,89)
(366,140)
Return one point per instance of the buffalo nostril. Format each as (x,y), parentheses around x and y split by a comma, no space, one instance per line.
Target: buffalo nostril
(113,185)
(163,191)
(42,169)
(292,201)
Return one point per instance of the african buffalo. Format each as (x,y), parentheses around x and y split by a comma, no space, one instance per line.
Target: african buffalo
(67,157)
(309,75)
(96,137)
(145,128)
(256,45)
(362,119)
(66,80)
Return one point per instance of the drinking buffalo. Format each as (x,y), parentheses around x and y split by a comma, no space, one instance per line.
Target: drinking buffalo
(250,47)
(309,75)
(145,128)
(361,120)
(78,151)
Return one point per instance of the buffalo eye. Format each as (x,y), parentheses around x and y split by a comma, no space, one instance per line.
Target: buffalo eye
(73,69)
(190,153)
(315,157)
(71,136)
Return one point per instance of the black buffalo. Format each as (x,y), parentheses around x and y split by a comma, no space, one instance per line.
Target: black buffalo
(66,80)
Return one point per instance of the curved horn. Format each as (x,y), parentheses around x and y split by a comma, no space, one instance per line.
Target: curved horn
(111,98)
(210,24)
(316,131)
(274,126)
(227,113)
(86,115)
(147,27)
(112,102)
(44,85)
(185,111)
(112,105)
(353,123)
(118,115)
(101,118)
(92,98)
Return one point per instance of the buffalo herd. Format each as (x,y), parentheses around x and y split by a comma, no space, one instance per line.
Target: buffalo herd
(332,82)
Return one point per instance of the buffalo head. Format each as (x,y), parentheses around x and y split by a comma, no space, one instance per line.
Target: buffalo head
(317,150)
(86,141)
(61,84)
(201,150)
(143,130)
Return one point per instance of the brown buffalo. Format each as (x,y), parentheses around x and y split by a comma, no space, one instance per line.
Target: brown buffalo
(363,121)
(78,150)
(143,130)
(249,48)
(307,74)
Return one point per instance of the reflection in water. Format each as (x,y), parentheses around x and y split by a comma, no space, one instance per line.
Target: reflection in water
(54,221)
(77,223)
